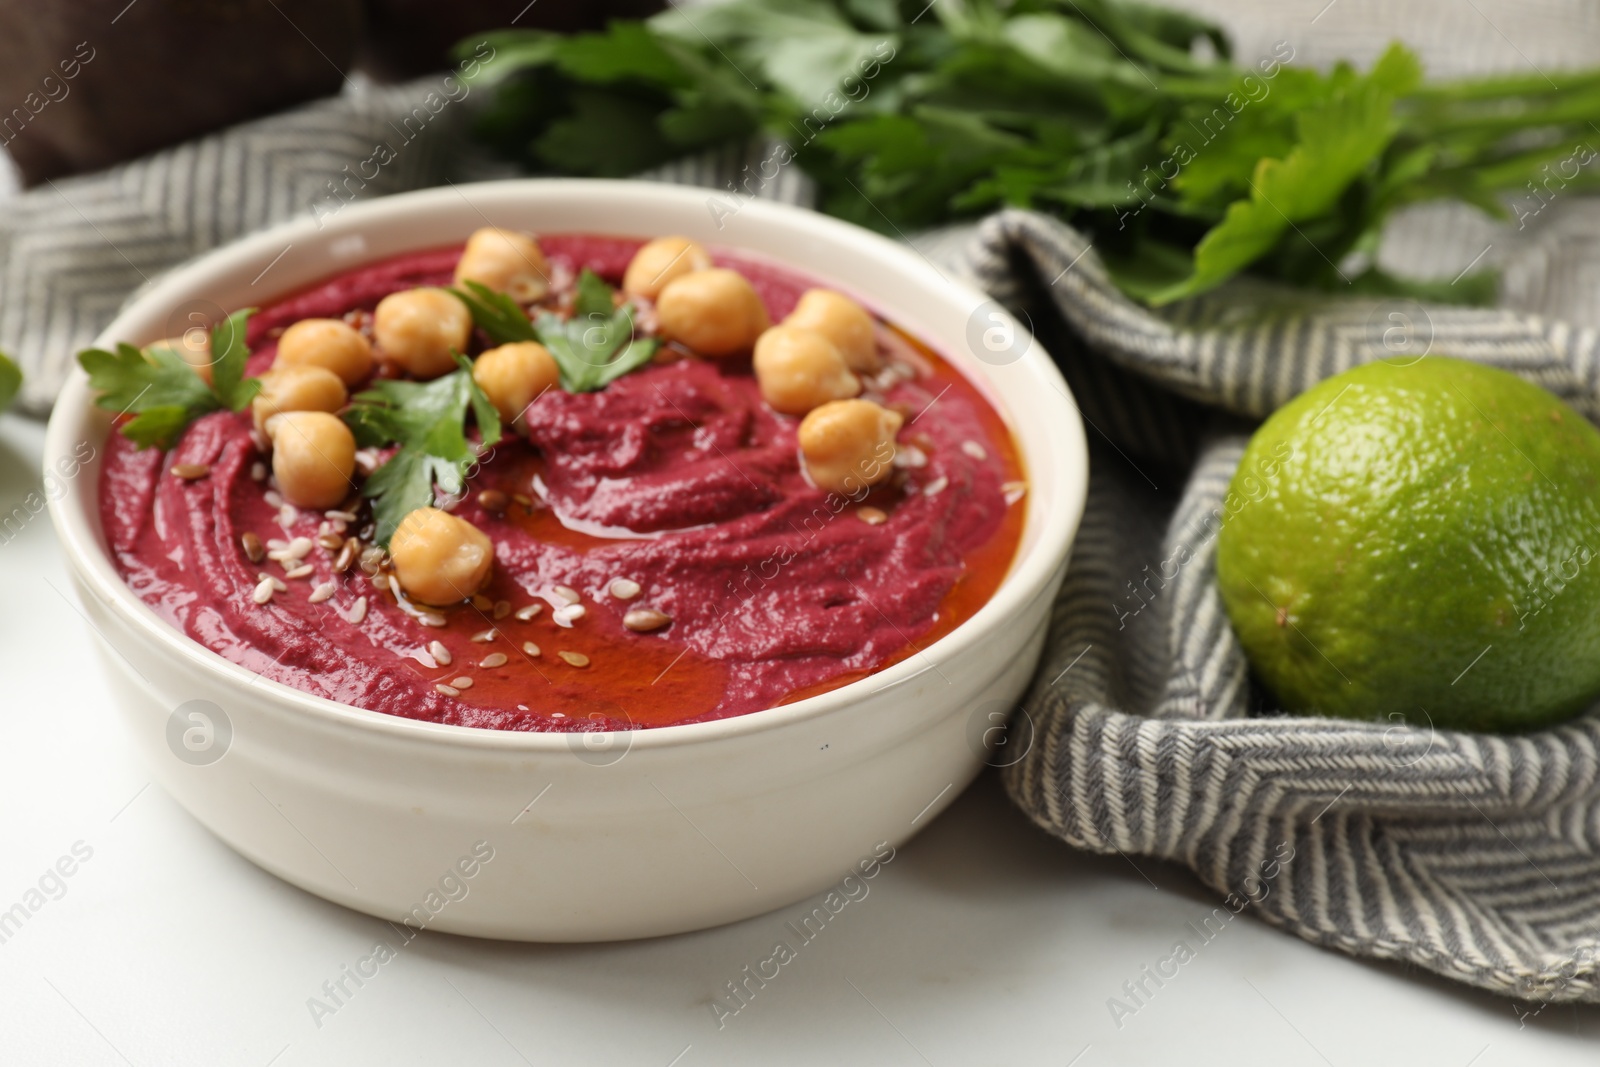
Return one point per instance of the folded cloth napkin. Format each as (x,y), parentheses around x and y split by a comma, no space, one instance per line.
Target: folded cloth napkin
(1471,856)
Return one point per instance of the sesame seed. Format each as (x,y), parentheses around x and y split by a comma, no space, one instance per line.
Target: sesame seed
(462,682)
(380,581)
(492,660)
(567,593)
(575,659)
(258,472)
(347,554)
(937,486)
(358,611)
(367,460)
(502,608)
(523,499)
(528,612)
(440,654)
(330,541)
(190,471)
(530,648)
(484,635)
(522,707)
(302,571)
(481,602)
(263,591)
(371,558)
(872,516)
(428,618)
(277,544)
(260,440)
(975,450)
(341,516)
(252,547)
(273,498)
(624,588)
(276,584)
(447,690)
(322,592)
(300,547)
(287,515)
(568,615)
(644,620)
(1014,491)
(910,457)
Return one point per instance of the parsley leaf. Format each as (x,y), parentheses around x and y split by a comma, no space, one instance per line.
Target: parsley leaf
(597,345)
(592,349)
(496,314)
(427,421)
(228,356)
(165,394)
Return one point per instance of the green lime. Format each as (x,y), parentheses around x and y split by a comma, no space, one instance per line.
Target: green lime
(1420,540)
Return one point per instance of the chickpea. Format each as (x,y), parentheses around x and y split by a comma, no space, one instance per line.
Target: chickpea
(327,343)
(297,388)
(419,328)
(513,376)
(848,445)
(661,261)
(507,262)
(313,458)
(799,369)
(193,347)
(842,321)
(439,558)
(714,312)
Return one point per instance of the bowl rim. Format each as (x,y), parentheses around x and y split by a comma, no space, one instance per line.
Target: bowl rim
(1058,513)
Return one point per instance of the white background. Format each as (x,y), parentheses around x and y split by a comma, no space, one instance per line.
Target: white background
(984,942)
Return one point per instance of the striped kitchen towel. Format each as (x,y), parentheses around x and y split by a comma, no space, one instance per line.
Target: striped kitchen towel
(1473,856)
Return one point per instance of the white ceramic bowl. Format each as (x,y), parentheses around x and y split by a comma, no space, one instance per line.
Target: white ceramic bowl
(593,836)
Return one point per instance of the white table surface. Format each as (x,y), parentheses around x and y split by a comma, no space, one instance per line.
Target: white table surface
(984,942)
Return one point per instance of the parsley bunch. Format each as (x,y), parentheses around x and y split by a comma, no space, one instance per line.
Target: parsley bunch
(1130,121)
(165,394)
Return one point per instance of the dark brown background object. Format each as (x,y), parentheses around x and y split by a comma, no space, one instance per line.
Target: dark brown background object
(154,72)
(409,37)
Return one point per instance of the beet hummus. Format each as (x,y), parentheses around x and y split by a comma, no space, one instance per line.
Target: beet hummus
(674,495)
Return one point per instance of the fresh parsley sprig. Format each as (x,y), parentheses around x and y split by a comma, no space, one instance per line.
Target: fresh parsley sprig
(428,421)
(592,349)
(164,393)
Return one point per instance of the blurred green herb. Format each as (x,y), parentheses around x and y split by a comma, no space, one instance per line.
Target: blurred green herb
(1130,121)
(428,421)
(10,380)
(165,394)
